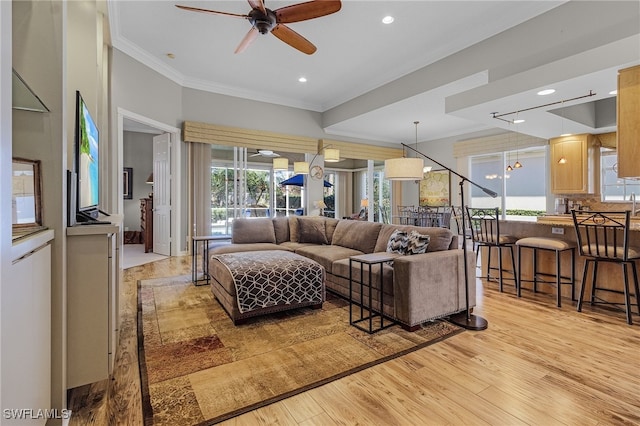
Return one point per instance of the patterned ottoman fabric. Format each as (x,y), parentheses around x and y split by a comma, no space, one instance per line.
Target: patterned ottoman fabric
(263,279)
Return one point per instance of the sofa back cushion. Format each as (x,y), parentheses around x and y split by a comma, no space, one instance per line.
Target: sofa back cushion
(358,235)
(281,229)
(312,231)
(439,238)
(330,227)
(259,230)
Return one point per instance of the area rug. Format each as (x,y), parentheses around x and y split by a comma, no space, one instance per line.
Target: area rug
(197,368)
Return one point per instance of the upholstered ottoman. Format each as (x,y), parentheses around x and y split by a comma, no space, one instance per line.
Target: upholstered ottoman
(254,283)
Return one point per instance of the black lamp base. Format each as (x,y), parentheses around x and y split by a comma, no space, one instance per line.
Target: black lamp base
(472,322)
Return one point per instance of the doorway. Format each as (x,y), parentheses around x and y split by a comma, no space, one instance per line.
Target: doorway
(129,121)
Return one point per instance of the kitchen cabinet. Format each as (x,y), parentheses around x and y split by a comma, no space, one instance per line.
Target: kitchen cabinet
(579,174)
(628,122)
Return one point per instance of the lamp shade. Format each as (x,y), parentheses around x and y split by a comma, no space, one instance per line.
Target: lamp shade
(321,205)
(301,167)
(150,179)
(280,163)
(331,155)
(364,202)
(403,168)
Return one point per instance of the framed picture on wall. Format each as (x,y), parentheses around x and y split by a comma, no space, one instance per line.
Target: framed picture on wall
(127,177)
(435,188)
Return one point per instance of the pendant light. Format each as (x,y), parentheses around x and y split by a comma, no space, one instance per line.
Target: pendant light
(404,168)
(563,159)
(509,168)
(517,164)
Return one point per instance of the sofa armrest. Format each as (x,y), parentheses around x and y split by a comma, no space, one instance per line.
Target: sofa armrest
(431,285)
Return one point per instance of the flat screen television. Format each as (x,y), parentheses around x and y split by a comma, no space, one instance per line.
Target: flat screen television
(87,152)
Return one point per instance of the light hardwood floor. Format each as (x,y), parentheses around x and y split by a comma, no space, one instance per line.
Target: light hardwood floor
(536,364)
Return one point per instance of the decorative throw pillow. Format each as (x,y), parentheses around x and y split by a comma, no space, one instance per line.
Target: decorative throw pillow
(398,242)
(312,231)
(417,243)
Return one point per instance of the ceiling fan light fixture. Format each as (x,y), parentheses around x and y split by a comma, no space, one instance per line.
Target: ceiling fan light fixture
(280,163)
(301,167)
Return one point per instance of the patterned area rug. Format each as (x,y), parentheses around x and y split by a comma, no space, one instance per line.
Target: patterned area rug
(197,368)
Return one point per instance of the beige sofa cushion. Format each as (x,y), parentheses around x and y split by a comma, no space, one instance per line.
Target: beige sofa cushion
(330,227)
(259,230)
(312,231)
(281,229)
(358,235)
(440,238)
(326,255)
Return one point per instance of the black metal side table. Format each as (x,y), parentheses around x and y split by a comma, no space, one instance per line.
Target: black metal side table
(368,313)
(204,241)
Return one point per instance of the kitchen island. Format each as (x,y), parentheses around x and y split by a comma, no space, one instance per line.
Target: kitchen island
(561,227)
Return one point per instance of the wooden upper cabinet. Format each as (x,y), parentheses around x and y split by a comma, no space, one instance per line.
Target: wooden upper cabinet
(628,114)
(579,174)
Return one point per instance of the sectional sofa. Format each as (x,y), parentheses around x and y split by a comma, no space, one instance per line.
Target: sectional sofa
(417,288)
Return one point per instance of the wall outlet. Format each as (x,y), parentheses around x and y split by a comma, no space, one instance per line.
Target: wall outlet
(557,231)
(126,228)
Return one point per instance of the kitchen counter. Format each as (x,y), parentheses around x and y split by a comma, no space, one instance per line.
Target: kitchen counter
(567,220)
(561,227)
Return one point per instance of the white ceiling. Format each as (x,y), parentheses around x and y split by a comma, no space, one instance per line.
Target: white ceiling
(372,81)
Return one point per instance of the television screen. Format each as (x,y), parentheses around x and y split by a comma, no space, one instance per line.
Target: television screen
(87,156)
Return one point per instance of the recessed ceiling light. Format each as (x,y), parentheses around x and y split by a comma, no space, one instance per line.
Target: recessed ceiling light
(302,79)
(518,121)
(613,92)
(546,92)
(171,56)
(387,19)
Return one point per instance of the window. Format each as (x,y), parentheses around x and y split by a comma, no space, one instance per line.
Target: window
(521,192)
(612,187)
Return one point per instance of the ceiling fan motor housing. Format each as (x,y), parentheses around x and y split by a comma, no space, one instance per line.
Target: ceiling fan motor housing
(263,22)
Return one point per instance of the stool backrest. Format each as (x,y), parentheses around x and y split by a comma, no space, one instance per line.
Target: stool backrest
(484,224)
(602,235)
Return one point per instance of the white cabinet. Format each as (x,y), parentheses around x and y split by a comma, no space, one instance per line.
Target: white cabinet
(93,270)
(26,328)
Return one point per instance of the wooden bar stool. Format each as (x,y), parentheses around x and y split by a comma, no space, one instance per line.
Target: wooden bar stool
(604,237)
(557,246)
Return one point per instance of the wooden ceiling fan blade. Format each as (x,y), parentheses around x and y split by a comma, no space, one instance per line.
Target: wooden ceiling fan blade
(247,40)
(293,39)
(212,12)
(309,10)
(257,4)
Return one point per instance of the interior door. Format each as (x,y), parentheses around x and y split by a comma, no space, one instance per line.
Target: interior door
(162,195)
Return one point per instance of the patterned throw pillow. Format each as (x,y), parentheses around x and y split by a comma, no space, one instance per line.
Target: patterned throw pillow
(417,243)
(398,242)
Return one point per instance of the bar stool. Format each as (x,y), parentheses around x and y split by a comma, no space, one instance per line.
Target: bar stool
(485,232)
(604,237)
(557,246)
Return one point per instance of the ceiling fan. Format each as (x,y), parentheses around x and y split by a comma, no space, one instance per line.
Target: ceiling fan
(265,153)
(265,20)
